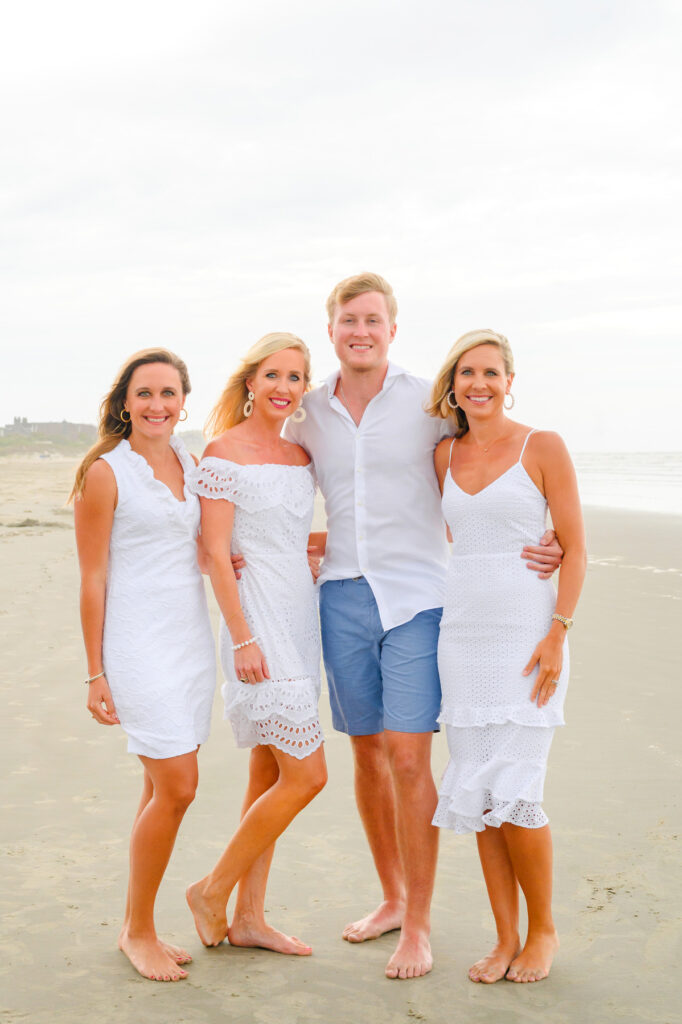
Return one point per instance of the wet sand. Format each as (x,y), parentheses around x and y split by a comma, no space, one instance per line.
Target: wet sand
(70,790)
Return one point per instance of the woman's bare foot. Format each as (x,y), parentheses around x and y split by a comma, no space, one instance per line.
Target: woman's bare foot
(210,920)
(150,959)
(535,959)
(386,918)
(261,935)
(495,965)
(177,953)
(412,958)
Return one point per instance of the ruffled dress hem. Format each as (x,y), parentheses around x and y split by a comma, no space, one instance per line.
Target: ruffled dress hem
(527,714)
(488,782)
(278,712)
(454,813)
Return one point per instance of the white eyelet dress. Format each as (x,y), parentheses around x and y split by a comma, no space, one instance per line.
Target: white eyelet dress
(496,610)
(158,647)
(273,509)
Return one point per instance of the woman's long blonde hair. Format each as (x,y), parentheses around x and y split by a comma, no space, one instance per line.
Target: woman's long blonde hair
(112,428)
(229,409)
(437,404)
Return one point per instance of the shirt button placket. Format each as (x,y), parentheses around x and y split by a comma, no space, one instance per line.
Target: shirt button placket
(360,506)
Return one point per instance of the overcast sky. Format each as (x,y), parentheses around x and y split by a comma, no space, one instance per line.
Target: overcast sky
(197,174)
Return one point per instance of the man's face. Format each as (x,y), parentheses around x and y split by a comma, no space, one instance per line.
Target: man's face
(361,332)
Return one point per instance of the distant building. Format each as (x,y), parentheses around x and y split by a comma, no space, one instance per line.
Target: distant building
(21,427)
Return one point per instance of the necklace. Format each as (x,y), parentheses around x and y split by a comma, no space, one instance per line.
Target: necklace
(491,443)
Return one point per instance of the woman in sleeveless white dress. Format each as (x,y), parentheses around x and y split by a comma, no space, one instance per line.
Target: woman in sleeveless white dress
(257,493)
(148,639)
(502,656)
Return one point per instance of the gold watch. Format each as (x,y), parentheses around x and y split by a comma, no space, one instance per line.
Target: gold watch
(566,623)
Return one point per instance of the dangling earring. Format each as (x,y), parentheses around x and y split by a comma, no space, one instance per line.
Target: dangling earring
(453,405)
(248,406)
(512,401)
(299,415)
(123,418)
(182,418)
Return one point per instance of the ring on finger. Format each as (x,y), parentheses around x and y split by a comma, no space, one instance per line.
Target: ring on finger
(555,682)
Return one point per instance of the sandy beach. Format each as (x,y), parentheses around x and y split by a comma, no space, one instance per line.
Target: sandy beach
(70,789)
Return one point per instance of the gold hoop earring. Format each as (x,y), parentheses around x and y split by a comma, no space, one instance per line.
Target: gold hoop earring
(122,417)
(299,415)
(509,395)
(451,394)
(181,418)
(248,406)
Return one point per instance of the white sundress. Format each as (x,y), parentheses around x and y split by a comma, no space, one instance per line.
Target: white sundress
(158,648)
(496,610)
(273,508)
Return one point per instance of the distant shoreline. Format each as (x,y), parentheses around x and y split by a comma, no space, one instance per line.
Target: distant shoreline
(38,445)
(649,483)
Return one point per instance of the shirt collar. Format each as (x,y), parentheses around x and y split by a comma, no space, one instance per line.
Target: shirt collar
(393,371)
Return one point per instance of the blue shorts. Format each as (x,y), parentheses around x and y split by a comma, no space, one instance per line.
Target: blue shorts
(378,678)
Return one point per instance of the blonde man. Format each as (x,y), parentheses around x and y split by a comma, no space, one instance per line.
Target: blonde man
(381,598)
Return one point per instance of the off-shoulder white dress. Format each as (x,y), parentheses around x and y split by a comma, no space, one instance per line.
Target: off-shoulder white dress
(273,508)
(158,647)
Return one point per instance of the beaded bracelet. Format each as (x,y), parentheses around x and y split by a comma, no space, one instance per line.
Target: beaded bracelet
(251,640)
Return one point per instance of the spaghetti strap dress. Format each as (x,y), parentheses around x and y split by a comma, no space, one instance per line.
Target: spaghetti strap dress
(273,509)
(495,613)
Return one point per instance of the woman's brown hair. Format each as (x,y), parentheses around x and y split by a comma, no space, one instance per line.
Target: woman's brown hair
(112,428)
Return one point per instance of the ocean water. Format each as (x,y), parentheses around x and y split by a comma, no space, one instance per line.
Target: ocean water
(639,481)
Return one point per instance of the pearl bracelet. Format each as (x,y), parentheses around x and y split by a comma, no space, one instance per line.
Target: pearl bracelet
(238,647)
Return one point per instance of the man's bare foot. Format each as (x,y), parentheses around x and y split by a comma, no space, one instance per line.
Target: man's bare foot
(495,965)
(535,959)
(261,935)
(386,918)
(177,953)
(412,958)
(210,921)
(150,959)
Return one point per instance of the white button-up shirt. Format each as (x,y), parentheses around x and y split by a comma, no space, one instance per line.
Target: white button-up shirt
(381,493)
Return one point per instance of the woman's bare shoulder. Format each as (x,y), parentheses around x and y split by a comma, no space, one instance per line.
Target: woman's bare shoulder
(298,455)
(442,450)
(224,447)
(546,442)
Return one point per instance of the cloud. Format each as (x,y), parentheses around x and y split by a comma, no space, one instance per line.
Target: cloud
(197,179)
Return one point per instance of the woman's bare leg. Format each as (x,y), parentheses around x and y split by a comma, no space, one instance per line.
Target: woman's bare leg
(174,782)
(249,927)
(181,956)
(503,893)
(267,817)
(530,850)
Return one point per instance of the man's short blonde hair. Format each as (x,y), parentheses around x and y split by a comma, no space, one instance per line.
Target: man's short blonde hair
(350,287)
